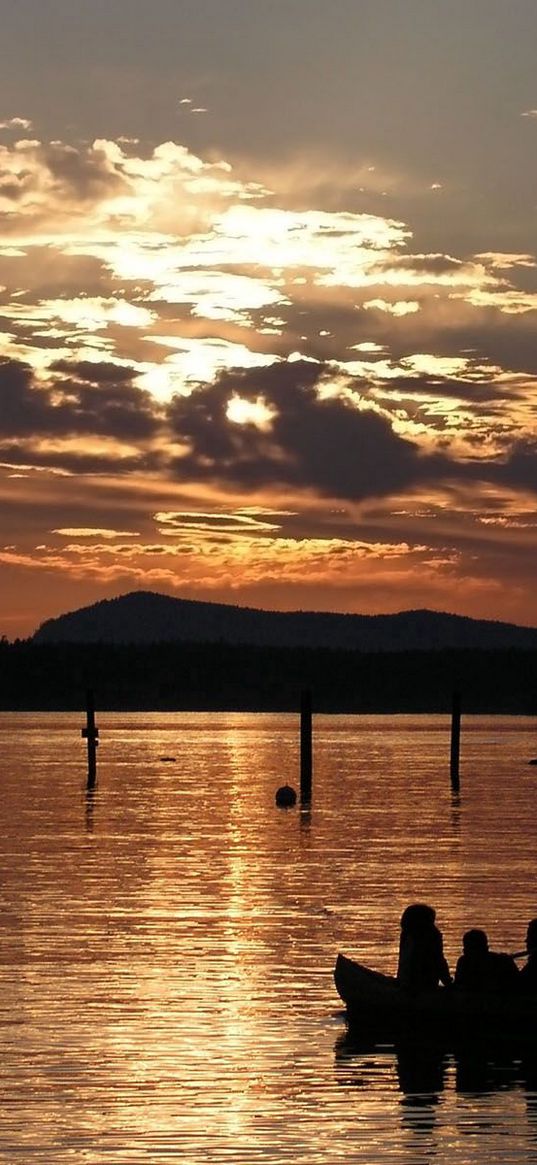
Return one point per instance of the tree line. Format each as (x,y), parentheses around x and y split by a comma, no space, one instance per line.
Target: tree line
(219,676)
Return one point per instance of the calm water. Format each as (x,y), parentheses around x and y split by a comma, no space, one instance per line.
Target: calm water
(168,941)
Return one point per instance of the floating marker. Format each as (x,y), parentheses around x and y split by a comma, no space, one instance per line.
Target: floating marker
(285,797)
(306,748)
(91,734)
(455,740)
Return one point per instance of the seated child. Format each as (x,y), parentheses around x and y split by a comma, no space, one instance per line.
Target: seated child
(480,969)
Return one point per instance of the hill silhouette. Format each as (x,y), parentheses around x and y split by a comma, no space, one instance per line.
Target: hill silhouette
(145,617)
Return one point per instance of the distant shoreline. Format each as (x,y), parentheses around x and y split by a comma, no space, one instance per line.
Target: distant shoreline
(209,677)
(252,712)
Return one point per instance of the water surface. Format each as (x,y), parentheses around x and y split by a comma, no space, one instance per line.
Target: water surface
(168,939)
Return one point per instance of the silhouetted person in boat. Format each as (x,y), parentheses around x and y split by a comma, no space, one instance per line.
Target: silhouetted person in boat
(480,969)
(421,952)
(528,974)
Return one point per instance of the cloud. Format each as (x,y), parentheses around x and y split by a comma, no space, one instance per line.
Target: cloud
(90,532)
(70,457)
(313,442)
(85,174)
(243,520)
(93,372)
(167,251)
(506,300)
(519,469)
(38,179)
(195,339)
(90,402)
(16,123)
(397,308)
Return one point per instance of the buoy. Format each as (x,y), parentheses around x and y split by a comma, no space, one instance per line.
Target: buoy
(285,796)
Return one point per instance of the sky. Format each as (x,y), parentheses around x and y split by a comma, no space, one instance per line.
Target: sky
(268,305)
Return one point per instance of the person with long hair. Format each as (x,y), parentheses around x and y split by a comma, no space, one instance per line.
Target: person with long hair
(422,965)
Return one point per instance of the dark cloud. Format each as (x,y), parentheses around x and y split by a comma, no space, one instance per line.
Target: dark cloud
(324,444)
(329,445)
(86,173)
(23,406)
(318,442)
(106,406)
(422,264)
(91,373)
(519,470)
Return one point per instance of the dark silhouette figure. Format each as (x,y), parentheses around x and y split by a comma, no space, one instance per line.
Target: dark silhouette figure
(480,969)
(421,953)
(528,974)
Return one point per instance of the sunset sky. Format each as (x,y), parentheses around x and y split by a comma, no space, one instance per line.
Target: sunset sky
(268,304)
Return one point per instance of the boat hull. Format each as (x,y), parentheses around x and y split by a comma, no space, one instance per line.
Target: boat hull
(376,1001)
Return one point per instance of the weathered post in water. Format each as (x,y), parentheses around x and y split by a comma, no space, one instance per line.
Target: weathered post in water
(306,751)
(91,734)
(455,740)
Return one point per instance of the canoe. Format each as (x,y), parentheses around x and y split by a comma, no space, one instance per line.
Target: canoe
(376,1000)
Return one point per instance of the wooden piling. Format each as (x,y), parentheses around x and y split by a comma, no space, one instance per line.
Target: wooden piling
(455,740)
(306,749)
(91,734)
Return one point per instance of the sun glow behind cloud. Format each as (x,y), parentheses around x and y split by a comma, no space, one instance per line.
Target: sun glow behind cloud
(250,412)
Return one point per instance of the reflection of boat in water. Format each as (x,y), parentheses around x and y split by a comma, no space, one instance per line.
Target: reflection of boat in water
(376,1002)
(427,1066)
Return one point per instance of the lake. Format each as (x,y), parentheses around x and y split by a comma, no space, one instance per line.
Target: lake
(168,939)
